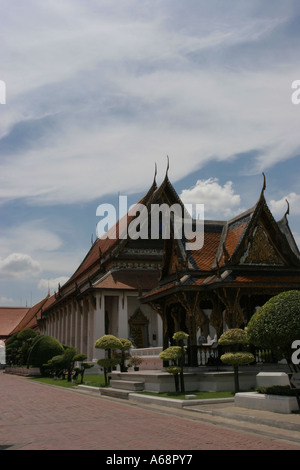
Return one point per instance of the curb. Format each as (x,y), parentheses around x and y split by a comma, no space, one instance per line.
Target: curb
(173,402)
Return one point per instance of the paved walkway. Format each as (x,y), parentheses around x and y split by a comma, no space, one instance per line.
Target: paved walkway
(35,416)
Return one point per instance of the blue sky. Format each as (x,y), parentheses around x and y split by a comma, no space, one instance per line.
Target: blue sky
(98,92)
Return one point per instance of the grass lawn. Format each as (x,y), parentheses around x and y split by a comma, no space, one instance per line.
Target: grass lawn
(92,380)
(199,395)
(98,381)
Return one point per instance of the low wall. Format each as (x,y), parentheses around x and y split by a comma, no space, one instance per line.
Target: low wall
(260,401)
(150,358)
(28,372)
(224,381)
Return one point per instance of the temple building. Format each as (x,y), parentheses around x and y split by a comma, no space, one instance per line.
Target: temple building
(244,262)
(145,289)
(102,296)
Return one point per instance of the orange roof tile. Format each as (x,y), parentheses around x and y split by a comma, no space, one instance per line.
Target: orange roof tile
(33,314)
(10,317)
(129,280)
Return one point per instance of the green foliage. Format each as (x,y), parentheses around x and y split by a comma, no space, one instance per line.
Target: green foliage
(43,349)
(106,363)
(277,324)
(173,370)
(26,334)
(234,336)
(175,354)
(135,361)
(283,390)
(18,346)
(108,342)
(237,358)
(171,354)
(80,357)
(126,344)
(180,336)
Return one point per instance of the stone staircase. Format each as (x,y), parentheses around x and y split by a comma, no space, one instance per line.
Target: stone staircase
(122,384)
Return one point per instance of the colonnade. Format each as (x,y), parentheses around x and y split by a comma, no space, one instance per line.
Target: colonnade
(80,322)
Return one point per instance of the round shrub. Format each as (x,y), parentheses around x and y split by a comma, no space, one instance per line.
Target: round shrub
(232,337)
(43,349)
(26,334)
(173,370)
(277,323)
(180,336)
(237,358)
(108,342)
(126,344)
(171,354)
(107,363)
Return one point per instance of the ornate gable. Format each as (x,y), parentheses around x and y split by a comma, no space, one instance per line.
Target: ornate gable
(260,249)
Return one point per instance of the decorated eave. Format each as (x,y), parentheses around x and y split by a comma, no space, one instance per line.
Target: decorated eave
(251,250)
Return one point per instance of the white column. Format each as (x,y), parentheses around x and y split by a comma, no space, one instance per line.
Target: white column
(123,316)
(77,316)
(159,341)
(99,323)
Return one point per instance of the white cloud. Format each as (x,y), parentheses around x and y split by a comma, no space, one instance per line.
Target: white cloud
(131,86)
(279,207)
(33,236)
(18,265)
(4,301)
(52,284)
(218,200)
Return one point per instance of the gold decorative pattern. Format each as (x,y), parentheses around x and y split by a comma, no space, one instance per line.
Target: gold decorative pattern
(260,249)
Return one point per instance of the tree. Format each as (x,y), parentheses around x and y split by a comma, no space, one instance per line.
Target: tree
(126,345)
(84,365)
(179,337)
(108,343)
(276,325)
(172,354)
(235,339)
(43,349)
(18,346)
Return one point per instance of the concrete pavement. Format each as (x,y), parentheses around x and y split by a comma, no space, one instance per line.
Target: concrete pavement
(35,416)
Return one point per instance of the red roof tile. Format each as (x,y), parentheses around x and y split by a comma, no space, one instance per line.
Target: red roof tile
(10,317)
(129,280)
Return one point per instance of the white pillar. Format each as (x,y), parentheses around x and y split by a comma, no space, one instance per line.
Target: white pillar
(99,323)
(77,318)
(123,316)
(159,341)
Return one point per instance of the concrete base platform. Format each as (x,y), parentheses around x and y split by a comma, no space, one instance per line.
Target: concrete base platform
(115,392)
(259,401)
(195,380)
(130,385)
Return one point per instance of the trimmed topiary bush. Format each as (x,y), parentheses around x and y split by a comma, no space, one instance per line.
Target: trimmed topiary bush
(173,354)
(276,325)
(18,346)
(108,342)
(236,339)
(43,349)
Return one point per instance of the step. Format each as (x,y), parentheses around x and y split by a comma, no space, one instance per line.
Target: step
(127,385)
(114,392)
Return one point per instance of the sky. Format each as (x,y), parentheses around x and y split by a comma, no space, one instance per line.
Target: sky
(98,92)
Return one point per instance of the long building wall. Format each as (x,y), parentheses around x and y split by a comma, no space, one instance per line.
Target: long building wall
(80,323)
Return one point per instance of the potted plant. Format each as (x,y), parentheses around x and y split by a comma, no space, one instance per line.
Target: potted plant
(134,362)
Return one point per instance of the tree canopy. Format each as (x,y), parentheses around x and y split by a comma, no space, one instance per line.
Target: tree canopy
(277,324)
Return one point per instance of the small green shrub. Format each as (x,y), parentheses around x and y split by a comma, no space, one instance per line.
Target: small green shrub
(237,358)
(283,390)
(108,342)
